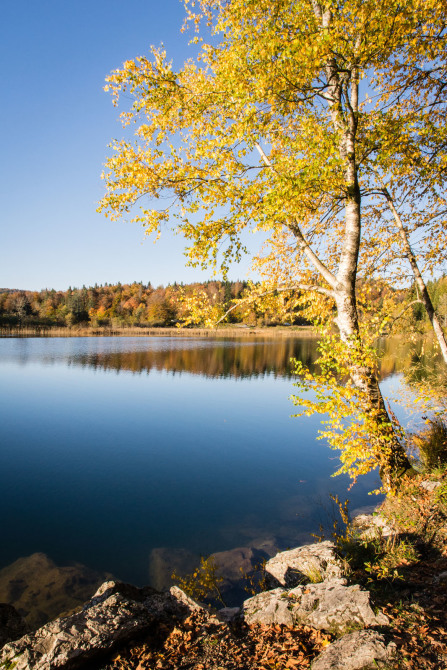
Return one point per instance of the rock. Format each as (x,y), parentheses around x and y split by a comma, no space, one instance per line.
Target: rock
(181,599)
(368,525)
(12,625)
(269,607)
(430,485)
(164,561)
(228,614)
(232,565)
(365,510)
(334,607)
(310,563)
(355,651)
(441,578)
(234,568)
(116,613)
(268,545)
(330,606)
(241,570)
(40,590)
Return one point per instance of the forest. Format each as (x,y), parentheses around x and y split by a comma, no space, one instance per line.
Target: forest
(121,305)
(143,305)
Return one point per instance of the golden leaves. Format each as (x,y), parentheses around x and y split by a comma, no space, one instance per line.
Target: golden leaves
(285,77)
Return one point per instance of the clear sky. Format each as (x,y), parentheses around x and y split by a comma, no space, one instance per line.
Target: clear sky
(56,122)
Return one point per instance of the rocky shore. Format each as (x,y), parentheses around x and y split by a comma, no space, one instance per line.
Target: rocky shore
(315,610)
(119,612)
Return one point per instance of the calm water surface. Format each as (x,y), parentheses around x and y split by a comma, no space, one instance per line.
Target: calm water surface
(111,447)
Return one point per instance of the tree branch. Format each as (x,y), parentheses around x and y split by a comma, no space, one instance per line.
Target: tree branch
(303,243)
(295,287)
(414,302)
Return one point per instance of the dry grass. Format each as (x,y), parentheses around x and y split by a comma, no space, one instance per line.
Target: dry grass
(292,331)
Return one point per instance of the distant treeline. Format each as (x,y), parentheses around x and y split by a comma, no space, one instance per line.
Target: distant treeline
(142,305)
(121,305)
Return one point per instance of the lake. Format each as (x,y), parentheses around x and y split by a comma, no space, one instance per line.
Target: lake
(113,447)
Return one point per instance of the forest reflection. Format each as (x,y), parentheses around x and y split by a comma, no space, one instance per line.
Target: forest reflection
(416,358)
(225,358)
(236,358)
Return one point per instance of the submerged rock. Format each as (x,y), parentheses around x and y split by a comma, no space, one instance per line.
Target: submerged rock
(164,561)
(116,613)
(236,568)
(40,590)
(228,614)
(310,563)
(241,570)
(355,651)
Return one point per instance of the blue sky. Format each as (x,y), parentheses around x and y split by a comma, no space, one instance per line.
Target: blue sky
(56,123)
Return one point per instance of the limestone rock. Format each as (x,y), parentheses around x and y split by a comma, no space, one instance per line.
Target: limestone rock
(269,607)
(330,606)
(430,485)
(355,651)
(183,600)
(313,562)
(41,590)
(368,524)
(12,626)
(334,607)
(115,614)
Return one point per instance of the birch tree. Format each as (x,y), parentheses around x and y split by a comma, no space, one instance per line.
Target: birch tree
(409,159)
(269,129)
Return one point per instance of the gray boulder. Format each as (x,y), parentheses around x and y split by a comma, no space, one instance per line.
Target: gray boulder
(368,522)
(355,651)
(310,563)
(430,485)
(334,607)
(330,606)
(115,614)
(269,607)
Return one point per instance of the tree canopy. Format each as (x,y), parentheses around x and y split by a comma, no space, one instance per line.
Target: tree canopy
(288,121)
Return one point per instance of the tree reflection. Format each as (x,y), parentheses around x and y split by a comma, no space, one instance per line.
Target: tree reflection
(232,357)
(226,358)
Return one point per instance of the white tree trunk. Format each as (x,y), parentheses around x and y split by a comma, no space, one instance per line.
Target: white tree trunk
(423,292)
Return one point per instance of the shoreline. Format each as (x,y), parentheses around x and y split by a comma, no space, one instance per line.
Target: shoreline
(293,331)
(345,608)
